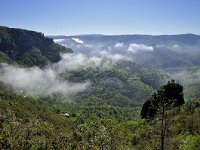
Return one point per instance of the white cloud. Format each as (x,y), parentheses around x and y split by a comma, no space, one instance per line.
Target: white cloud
(176,46)
(75,61)
(186,77)
(172,47)
(78,40)
(119,45)
(134,47)
(58,40)
(117,57)
(113,57)
(35,81)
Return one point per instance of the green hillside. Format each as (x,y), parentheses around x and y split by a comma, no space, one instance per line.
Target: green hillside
(28,123)
(124,84)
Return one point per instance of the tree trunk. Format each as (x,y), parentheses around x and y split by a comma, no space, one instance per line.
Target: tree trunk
(162,128)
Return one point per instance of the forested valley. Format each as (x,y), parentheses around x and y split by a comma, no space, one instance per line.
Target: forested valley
(54,98)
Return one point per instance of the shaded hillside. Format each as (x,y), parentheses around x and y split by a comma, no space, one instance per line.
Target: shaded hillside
(28,47)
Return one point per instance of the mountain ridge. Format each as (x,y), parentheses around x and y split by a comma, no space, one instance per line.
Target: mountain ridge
(27,47)
(131,82)
(154,35)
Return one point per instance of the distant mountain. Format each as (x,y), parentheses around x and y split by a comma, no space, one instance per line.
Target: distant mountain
(174,56)
(18,46)
(158,52)
(121,83)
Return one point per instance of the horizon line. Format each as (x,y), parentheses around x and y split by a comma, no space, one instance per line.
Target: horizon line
(125,34)
(104,34)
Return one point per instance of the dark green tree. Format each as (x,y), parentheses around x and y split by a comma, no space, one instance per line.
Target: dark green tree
(171,95)
(167,97)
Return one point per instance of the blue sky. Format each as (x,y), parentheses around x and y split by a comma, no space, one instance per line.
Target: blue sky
(70,17)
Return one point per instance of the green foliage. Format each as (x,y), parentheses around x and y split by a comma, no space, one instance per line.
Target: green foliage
(191,143)
(192,91)
(29,123)
(183,129)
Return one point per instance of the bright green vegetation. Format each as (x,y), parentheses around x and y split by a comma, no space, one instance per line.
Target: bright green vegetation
(28,123)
